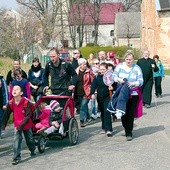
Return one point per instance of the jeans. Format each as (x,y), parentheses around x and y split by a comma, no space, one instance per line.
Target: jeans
(84,111)
(93,106)
(1,118)
(18,142)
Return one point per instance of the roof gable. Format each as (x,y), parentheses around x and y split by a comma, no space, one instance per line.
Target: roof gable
(85,13)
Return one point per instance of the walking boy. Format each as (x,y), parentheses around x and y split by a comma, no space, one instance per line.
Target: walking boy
(21,108)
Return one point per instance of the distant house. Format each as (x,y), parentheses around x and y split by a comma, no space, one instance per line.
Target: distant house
(107,12)
(128,29)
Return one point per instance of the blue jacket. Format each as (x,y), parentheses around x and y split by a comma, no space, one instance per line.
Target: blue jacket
(161,71)
(3,92)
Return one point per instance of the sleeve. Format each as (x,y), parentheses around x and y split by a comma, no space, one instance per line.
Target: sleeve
(46,75)
(10,92)
(162,70)
(28,90)
(29,75)
(156,67)
(24,75)
(73,74)
(27,117)
(5,92)
(8,78)
(93,85)
(6,117)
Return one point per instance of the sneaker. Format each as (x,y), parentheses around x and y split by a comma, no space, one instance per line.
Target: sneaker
(147,106)
(93,116)
(118,114)
(15,161)
(102,131)
(98,114)
(88,121)
(109,133)
(82,124)
(128,138)
(32,154)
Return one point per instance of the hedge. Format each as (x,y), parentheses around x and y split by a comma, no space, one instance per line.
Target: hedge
(119,51)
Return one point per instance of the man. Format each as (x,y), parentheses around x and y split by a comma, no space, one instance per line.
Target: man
(102,57)
(76,56)
(63,75)
(148,66)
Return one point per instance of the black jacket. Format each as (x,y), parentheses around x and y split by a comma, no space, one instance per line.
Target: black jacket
(61,77)
(145,65)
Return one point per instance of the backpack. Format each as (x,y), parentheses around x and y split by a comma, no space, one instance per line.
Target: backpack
(28,106)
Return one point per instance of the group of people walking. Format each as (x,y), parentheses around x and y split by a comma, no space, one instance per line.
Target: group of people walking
(131,89)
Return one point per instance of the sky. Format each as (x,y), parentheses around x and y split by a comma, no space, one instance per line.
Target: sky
(8,4)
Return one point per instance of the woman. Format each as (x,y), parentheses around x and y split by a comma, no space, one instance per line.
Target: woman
(129,78)
(158,76)
(35,76)
(83,86)
(10,75)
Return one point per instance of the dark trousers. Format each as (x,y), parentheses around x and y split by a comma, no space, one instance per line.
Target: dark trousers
(158,88)
(147,91)
(105,115)
(128,118)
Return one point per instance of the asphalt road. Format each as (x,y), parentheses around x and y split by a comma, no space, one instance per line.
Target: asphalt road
(149,149)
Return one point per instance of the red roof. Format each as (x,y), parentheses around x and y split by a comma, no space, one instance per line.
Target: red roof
(85,13)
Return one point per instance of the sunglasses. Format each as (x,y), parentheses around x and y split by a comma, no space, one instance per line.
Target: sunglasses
(75,53)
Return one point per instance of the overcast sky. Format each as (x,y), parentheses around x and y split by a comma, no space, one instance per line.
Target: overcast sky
(9,4)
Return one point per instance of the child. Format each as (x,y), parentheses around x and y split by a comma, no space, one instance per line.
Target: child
(22,123)
(21,82)
(103,98)
(43,118)
(3,99)
(55,117)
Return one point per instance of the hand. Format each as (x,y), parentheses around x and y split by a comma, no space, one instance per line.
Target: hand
(93,96)
(71,87)
(153,65)
(130,84)
(119,80)
(110,88)
(45,89)
(4,107)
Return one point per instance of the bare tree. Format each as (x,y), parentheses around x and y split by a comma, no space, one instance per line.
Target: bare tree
(76,18)
(131,5)
(46,11)
(17,33)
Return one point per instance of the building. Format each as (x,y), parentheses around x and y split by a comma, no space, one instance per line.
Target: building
(87,14)
(155,19)
(128,29)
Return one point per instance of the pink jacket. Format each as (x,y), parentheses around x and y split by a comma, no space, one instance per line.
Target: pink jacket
(44,117)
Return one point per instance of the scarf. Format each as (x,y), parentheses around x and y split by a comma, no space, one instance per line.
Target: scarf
(36,69)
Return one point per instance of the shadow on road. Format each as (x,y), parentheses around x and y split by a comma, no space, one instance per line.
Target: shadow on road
(147,130)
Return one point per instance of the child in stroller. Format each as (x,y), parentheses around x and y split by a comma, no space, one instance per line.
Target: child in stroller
(55,118)
(43,118)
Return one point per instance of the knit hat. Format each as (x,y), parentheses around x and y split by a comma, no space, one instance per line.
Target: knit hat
(54,104)
(111,54)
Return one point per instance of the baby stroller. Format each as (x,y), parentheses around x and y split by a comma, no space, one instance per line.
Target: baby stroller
(69,122)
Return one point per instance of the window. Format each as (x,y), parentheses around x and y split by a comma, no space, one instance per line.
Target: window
(162,5)
(112,33)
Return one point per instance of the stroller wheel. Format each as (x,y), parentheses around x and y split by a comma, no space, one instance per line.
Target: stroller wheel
(41,144)
(73,131)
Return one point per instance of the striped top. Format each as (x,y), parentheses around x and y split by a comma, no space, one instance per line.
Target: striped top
(133,74)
